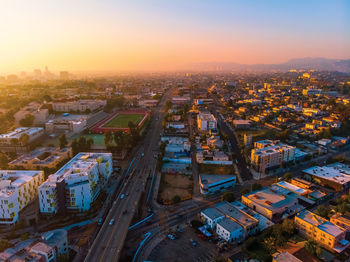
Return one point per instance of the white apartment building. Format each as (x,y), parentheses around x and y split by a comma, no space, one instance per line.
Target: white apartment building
(229,230)
(206,121)
(78,106)
(76,185)
(17,189)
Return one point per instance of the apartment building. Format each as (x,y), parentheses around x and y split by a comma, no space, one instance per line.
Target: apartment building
(229,230)
(78,106)
(17,189)
(275,202)
(76,185)
(269,155)
(206,121)
(322,231)
(41,158)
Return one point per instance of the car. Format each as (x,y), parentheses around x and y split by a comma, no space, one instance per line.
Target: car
(194,243)
(111,223)
(122,196)
(100,221)
(149,210)
(125,211)
(127,194)
(171,237)
(142,154)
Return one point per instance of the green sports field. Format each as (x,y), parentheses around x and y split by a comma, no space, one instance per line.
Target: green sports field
(122,120)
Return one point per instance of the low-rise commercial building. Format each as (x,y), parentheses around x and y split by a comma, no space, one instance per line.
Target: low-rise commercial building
(336,177)
(322,231)
(76,185)
(210,184)
(48,248)
(41,158)
(15,141)
(17,189)
(275,202)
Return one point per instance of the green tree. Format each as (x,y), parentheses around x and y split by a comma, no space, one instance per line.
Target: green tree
(108,137)
(24,139)
(323,211)
(4,243)
(287,176)
(3,161)
(270,244)
(245,191)
(176,199)
(27,121)
(62,140)
(228,196)
(256,186)
(288,226)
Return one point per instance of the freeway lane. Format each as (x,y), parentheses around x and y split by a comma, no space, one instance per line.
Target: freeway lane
(110,240)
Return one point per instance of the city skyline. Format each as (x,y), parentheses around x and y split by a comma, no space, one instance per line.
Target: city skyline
(165,36)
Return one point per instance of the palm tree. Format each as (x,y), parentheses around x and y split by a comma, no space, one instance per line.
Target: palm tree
(24,139)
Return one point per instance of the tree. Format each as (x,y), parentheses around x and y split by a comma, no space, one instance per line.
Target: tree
(27,121)
(245,191)
(75,146)
(62,140)
(256,186)
(270,243)
(287,176)
(176,199)
(288,226)
(3,161)
(108,138)
(24,139)
(4,243)
(323,211)
(228,196)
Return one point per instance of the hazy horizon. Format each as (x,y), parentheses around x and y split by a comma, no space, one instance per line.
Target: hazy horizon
(124,36)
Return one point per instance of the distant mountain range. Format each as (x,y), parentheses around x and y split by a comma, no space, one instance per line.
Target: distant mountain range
(324,64)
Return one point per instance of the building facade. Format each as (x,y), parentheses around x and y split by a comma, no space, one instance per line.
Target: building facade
(17,189)
(76,185)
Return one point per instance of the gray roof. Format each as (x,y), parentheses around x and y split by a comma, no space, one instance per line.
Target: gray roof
(212,213)
(229,224)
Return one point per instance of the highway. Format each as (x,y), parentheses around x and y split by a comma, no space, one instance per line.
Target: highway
(110,240)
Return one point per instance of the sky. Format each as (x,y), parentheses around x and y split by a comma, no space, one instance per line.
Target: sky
(135,35)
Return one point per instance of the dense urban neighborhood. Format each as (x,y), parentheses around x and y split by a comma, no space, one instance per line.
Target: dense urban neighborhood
(175,167)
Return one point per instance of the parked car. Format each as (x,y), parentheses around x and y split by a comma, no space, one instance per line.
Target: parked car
(111,223)
(170,236)
(100,221)
(125,211)
(194,243)
(122,196)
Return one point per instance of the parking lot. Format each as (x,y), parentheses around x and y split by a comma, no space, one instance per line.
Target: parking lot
(181,249)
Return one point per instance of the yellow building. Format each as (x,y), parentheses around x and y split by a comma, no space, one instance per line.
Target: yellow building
(322,231)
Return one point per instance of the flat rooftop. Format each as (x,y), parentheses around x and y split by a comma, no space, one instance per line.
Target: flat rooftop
(20,131)
(330,173)
(320,223)
(236,214)
(213,178)
(229,224)
(293,188)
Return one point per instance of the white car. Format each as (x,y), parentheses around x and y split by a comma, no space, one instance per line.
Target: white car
(122,196)
(111,223)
